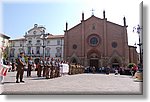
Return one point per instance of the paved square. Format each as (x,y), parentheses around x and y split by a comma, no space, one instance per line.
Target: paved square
(72,84)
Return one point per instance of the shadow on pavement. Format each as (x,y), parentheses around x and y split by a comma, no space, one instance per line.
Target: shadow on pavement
(8,82)
(39,78)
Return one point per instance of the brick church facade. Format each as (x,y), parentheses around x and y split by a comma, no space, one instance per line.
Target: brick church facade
(98,42)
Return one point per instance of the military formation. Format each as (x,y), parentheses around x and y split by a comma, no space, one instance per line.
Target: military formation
(76,69)
(49,67)
(45,67)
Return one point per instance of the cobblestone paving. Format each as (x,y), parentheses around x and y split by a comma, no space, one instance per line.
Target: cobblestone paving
(72,84)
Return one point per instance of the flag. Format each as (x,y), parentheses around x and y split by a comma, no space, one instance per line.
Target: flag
(3,70)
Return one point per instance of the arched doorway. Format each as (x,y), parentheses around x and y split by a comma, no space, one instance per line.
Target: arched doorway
(74,61)
(115,63)
(94,63)
(94,58)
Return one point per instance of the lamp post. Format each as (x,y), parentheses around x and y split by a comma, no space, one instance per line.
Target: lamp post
(138,30)
(44,37)
(24,42)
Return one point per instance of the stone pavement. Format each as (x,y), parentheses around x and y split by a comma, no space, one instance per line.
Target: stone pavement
(72,84)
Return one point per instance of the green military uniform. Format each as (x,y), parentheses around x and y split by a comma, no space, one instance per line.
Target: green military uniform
(20,68)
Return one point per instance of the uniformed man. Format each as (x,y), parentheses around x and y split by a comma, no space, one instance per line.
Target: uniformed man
(44,69)
(30,64)
(48,68)
(20,67)
(57,68)
(52,68)
(40,67)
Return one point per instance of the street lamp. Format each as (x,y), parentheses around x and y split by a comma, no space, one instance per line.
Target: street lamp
(138,30)
(44,37)
(24,43)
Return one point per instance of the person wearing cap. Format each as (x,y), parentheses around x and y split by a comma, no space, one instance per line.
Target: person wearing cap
(44,68)
(48,68)
(20,69)
(40,67)
(30,64)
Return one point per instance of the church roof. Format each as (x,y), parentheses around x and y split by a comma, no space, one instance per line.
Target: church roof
(36,26)
(97,19)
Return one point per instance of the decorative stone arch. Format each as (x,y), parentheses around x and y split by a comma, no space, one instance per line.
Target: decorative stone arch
(93,58)
(74,59)
(115,59)
(93,53)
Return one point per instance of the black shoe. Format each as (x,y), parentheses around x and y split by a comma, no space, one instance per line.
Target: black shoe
(22,81)
(17,81)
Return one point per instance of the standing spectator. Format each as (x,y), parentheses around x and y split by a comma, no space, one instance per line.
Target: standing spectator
(116,71)
(134,69)
(20,67)
(30,64)
(107,70)
(93,69)
(13,65)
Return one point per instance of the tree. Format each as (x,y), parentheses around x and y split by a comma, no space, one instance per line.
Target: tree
(130,65)
(5,53)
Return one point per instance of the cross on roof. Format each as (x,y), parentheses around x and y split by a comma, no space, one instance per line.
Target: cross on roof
(92,11)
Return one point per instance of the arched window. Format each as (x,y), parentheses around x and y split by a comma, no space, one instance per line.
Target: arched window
(29,50)
(38,50)
(12,52)
(47,51)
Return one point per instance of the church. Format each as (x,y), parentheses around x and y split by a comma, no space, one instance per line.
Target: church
(98,42)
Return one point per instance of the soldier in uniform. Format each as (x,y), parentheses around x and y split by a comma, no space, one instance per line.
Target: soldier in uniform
(40,67)
(57,68)
(44,69)
(48,68)
(30,64)
(20,67)
(52,68)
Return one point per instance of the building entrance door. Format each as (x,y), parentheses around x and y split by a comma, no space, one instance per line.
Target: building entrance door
(94,62)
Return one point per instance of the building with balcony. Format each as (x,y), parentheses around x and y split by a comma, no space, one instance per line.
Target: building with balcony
(37,43)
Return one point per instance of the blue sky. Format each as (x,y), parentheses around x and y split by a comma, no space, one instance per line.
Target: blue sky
(19,16)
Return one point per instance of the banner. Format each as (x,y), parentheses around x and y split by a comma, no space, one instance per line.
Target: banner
(3,70)
(64,68)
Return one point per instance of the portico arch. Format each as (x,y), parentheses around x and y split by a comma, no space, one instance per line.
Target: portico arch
(93,57)
(74,59)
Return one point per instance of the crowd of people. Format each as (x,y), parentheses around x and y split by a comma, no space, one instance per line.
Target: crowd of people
(52,68)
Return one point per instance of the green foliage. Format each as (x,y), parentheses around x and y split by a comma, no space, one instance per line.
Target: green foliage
(5,53)
(26,59)
(130,65)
